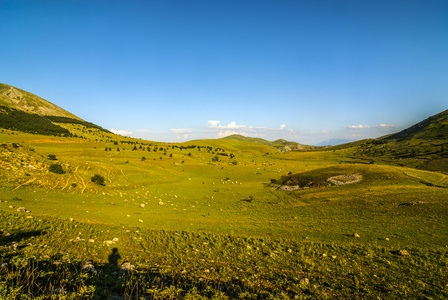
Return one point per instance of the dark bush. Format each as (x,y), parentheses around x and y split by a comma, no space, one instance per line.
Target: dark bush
(56,168)
(98,179)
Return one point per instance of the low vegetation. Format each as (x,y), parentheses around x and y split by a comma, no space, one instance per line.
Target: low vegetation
(93,215)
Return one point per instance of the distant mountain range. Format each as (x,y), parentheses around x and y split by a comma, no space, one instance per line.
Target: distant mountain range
(334,142)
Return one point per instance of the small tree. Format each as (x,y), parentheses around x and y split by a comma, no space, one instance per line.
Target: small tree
(52,157)
(98,179)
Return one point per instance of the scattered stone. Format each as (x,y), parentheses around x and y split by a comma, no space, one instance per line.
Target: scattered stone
(333,256)
(289,250)
(126,267)
(108,242)
(3,265)
(89,267)
(161,203)
(289,188)
(29,217)
(140,220)
(91,241)
(386,239)
(115,239)
(142,205)
(324,255)
(403,252)
(356,235)
(304,281)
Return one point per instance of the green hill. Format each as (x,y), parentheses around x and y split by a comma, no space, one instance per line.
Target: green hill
(432,128)
(26,112)
(423,146)
(18,99)
(280,144)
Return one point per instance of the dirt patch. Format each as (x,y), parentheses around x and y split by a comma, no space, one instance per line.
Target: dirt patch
(42,141)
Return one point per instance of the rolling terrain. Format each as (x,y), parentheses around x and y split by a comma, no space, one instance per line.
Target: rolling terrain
(93,215)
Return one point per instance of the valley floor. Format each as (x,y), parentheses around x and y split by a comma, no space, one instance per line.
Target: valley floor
(208,220)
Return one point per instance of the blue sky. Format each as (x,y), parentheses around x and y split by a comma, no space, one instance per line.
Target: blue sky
(305,71)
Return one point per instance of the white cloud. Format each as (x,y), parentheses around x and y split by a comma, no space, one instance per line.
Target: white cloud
(213,130)
(231,125)
(182,132)
(384,126)
(121,132)
(358,126)
(224,133)
(213,124)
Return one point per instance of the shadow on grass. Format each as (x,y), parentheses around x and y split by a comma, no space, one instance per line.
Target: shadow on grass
(54,277)
(7,239)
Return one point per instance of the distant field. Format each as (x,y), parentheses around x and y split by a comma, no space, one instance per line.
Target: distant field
(207,219)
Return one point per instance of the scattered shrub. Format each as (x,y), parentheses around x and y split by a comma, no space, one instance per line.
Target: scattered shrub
(52,157)
(98,179)
(57,169)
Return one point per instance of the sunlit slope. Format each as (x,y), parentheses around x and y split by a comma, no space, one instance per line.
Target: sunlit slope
(432,128)
(181,187)
(280,144)
(423,146)
(16,98)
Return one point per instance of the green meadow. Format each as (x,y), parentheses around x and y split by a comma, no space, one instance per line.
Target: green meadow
(212,219)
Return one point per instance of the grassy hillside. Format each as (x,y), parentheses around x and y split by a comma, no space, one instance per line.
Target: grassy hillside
(199,224)
(423,146)
(23,111)
(18,99)
(432,128)
(94,215)
(281,144)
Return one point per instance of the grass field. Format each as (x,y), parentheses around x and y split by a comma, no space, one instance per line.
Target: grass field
(206,219)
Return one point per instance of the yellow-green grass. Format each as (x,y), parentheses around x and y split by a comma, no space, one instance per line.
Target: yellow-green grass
(188,194)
